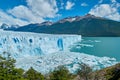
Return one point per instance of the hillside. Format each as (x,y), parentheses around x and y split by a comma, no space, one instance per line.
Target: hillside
(110,73)
(88,25)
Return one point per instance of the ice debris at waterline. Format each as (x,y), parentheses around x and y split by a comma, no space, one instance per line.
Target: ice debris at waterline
(71,60)
(44,52)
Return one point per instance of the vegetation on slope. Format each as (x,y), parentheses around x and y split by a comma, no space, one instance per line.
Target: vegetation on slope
(9,72)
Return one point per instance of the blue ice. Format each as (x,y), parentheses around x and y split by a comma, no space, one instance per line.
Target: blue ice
(60,44)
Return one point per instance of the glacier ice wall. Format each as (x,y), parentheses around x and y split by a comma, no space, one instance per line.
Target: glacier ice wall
(33,44)
(44,52)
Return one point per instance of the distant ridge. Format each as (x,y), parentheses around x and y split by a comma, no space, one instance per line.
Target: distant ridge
(88,25)
(8,27)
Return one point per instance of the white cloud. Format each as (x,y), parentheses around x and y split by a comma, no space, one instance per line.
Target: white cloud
(25,13)
(106,10)
(43,8)
(115,16)
(6,18)
(103,10)
(113,1)
(34,12)
(69,5)
(106,1)
(84,4)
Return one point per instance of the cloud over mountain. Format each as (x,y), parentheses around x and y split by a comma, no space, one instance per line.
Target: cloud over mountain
(6,18)
(34,12)
(106,10)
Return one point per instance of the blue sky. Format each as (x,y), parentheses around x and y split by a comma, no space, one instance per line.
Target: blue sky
(24,12)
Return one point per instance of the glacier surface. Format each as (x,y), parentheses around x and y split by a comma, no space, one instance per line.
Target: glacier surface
(44,52)
(33,44)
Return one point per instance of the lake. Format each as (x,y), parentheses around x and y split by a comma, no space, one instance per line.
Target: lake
(99,46)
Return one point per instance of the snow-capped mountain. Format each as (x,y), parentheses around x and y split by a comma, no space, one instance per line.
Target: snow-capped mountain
(88,25)
(8,27)
(4,26)
(68,19)
(76,18)
(47,23)
(44,52)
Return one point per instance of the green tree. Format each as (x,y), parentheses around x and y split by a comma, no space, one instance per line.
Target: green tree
(8,70)
(31,74)
(61,73)
(113,73)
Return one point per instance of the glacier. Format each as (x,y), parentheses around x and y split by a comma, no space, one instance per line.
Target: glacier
(45,52)
(25,44)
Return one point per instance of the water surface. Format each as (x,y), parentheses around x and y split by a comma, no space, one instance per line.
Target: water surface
(99,46)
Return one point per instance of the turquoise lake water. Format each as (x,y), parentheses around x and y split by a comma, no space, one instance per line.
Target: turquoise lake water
(99,46)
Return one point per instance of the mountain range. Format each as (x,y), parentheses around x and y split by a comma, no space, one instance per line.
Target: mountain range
(88,25)
(8,27)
